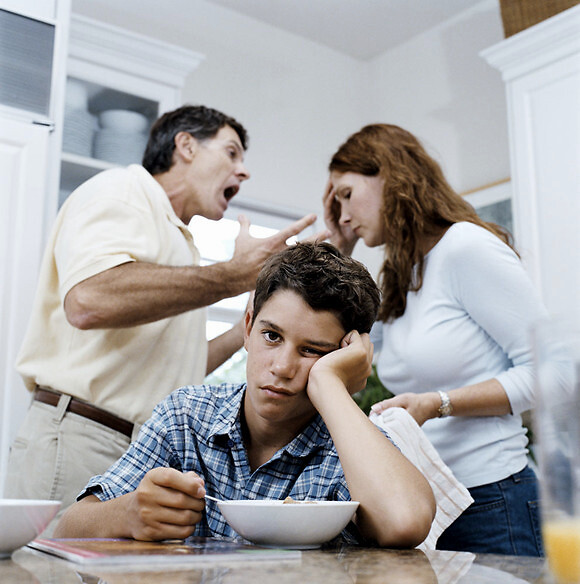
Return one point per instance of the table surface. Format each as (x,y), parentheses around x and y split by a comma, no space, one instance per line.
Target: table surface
(334,565)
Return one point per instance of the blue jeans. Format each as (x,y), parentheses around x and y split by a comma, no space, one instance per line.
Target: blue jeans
(503,519)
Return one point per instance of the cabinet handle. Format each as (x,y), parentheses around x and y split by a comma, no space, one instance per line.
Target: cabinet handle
(49,125)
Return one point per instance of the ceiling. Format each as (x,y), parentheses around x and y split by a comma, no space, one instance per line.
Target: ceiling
(362,29)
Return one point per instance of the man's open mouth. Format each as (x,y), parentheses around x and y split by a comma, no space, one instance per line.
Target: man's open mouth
(230,192)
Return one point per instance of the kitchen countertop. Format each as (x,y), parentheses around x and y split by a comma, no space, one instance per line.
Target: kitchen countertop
(334,565)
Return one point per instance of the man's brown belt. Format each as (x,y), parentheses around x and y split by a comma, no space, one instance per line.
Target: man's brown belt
(85,410)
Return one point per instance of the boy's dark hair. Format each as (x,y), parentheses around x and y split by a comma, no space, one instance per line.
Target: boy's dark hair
(199,121)
(325,279)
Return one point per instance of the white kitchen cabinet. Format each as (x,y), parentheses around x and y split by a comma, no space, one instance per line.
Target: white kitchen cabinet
(23,168)
(118,70)
(541,69)
(33,43)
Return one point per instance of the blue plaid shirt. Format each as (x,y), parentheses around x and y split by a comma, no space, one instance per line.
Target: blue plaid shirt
(198,428)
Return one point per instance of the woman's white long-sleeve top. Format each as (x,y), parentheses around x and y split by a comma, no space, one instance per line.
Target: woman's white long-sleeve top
(470,322)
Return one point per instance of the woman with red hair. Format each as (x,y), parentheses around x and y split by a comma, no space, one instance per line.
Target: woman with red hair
(452,337)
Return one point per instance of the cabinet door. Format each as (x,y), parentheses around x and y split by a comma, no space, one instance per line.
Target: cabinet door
(23,170)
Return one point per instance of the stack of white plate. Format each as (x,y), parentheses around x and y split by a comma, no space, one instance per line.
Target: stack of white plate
(122,136)
(79,124)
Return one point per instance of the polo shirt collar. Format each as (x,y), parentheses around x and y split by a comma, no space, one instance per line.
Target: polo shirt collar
(228,417)
(146,176)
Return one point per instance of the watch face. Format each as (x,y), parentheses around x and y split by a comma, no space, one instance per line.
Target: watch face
(445,410)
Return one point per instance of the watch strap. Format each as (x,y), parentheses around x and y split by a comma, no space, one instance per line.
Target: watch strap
(445,409)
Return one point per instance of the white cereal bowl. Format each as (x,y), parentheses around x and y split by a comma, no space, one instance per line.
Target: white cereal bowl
(299,525)
(21,520)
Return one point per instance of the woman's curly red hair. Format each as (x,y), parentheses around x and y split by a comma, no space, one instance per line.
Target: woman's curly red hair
(418,203)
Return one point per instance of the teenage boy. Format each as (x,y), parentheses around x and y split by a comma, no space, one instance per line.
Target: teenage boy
(291,430)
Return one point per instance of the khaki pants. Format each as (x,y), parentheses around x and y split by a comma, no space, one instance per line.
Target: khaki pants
(56,453)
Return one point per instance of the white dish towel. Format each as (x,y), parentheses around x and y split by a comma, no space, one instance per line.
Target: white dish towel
(451,496)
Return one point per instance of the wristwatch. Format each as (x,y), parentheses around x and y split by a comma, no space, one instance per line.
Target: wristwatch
(445,409)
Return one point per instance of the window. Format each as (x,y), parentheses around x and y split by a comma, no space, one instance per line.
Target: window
(216,243)
(493,203)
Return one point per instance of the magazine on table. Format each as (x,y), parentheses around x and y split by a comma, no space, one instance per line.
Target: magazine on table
(193,550)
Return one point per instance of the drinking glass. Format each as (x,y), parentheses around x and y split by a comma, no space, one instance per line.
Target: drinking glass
(557,426)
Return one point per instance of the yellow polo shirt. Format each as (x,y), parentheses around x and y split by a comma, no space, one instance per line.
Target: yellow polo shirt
(118,216)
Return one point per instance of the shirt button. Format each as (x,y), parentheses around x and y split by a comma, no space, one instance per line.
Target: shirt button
(231,443)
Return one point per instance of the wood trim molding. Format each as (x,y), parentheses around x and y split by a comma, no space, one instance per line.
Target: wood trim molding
(549,41)
(486,186)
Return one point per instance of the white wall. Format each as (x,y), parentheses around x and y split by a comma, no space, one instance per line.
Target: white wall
(437,86)
(297,102)
(300,100)
(296,98)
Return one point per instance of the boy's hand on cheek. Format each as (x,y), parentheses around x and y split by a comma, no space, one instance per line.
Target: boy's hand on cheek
(167,504)
(350,365)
